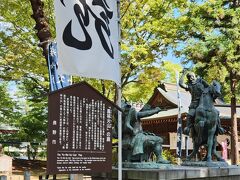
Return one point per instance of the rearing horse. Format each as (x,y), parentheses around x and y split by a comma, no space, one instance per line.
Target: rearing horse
(205,125)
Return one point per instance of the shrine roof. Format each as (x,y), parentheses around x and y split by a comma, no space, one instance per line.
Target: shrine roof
(165,96)
(7,129)
(225,113)
(164,114)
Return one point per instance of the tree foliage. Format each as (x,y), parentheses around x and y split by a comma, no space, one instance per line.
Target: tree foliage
(9,110)
(150,79)
(212,41)
(20,56)
(149,28)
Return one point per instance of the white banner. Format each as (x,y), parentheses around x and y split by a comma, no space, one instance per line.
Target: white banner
(87,38)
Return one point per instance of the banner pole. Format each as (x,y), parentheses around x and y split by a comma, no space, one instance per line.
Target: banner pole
(119,135)
(179,121)
(119,92)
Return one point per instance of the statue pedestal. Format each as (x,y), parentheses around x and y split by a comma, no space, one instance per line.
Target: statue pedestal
(174,172)
(146,165)
(205,164)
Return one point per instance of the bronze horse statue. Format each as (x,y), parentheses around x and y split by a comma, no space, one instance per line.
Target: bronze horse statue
(205,125)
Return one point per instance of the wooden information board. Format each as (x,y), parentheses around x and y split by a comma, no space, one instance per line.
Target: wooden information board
(79,131)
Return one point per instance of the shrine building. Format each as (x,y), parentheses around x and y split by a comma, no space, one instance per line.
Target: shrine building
(164,123)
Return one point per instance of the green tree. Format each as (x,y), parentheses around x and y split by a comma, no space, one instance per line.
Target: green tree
(20,55)
(22,60)
(8,107)
(149,80)
(33,123)
(9,110)
(212,43)
(149,28)
(32,127)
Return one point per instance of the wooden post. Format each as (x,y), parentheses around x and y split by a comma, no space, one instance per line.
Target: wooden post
(54,177)
(234,134)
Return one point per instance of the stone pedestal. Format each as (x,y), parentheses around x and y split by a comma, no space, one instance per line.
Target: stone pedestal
(146,165)
(175,172)
(205,164)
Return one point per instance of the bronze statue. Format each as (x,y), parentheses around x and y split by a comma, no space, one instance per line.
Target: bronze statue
(137,144)
(203,117)
(196,87)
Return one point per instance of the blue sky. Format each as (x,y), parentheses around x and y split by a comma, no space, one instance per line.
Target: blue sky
(171,57)
(12,88)
(177,60)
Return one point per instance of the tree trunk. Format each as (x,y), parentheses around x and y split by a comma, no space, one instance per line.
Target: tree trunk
(234,134)
(42,26)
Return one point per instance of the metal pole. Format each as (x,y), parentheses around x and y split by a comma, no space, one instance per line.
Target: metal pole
(186,144)
(179,123)
(119,136)
(119,98)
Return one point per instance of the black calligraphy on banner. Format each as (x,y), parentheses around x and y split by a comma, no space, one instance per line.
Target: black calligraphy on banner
(62,2)
(101,25)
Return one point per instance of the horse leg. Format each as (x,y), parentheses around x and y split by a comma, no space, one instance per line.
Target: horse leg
(195,150)
(200,127)
(211,133)
(219,158)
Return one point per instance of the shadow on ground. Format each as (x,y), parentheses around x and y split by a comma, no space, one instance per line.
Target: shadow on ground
(21,165)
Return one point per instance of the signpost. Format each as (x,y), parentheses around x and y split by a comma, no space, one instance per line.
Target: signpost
(80,131)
